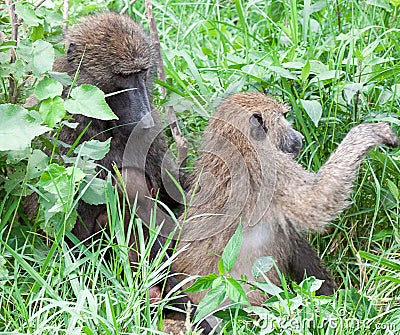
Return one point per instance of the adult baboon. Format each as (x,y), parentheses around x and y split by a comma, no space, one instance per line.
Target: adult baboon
(112,52)
(246,171)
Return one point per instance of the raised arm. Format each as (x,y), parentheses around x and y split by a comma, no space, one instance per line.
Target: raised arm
(318,198)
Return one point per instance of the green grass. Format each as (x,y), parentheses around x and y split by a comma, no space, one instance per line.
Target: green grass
(343,55)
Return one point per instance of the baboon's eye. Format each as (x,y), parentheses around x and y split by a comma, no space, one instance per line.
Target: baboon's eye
(70,51)
(256,120)
(141,71)
(257,127)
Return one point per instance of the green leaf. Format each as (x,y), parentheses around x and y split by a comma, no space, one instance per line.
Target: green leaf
(42,57)
(395,3)
(282,72)
(54,174)
(37,163)
(57,179)
(94,149)
(313,109)
(27,14)
(261,266)
(62,77)
(52,111)
(90,101)
(4,276)
(308,285)
(236,292)
(350,90)
(393,189)
(51,16)
(37,33)
(268,288)
(391,264)
(94,193)
(210,302)
(58,186)
(202,283)
(305,72)
(13,183)
(232,249)
(221,268)
(18,127)
(7,45)
(48,88)
(327,75)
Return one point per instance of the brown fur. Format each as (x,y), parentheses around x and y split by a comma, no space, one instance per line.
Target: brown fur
(113,52)
(250,174)
(107,48)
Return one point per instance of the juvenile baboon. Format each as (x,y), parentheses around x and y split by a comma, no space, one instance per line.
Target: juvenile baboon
(246,171)
(114,53)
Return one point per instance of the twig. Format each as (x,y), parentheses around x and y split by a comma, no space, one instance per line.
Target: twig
(123,11)
(14,35)
(180,140)
(65,16)
(38,4)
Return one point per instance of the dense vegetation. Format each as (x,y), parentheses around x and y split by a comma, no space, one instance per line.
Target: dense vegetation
(335,62)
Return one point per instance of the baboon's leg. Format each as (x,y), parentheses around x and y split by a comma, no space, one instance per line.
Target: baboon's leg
(161,289)
(306,262)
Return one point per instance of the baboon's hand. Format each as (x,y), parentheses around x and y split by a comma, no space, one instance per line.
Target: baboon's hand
(381,132)
(387,134)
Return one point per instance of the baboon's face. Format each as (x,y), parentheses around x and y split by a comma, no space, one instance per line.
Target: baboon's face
(113,53)
(276,129)
(132,103)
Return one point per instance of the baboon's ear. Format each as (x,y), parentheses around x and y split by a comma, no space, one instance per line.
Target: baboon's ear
(70,51)
(257,127)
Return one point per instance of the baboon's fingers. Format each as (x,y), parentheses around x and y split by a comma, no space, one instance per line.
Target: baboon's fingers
(387,134)
(380,132)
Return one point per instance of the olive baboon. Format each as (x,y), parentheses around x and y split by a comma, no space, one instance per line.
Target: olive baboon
(112,52)
(246,169)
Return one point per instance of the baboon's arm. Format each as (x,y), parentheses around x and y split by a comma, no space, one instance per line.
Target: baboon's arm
(319,198)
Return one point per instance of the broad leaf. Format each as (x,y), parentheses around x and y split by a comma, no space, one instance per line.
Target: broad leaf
(18,127)
(351,89)
(94,149)
(313,109)
(48,88)
(27,14)
(42,58)
(90,101)
(232,249)
(261,266)
(37,163)
(202,283)
(236,292)
(210,302)
(282,72)
(52,111)
(62,77)
(94,193)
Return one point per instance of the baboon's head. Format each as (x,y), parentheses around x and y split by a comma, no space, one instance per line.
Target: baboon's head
(261,118)
(113,53)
